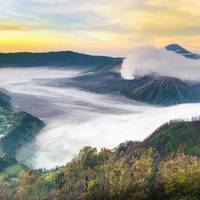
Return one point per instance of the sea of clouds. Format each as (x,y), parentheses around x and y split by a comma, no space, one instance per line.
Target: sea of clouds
(76,118)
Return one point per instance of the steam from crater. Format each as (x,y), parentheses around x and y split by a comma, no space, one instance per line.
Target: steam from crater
(150,60)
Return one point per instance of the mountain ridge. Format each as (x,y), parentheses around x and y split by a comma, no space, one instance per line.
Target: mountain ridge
(54,58)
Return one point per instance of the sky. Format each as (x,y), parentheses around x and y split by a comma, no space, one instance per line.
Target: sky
(109,27)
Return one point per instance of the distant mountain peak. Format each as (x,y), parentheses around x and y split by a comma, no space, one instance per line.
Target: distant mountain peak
(176,48)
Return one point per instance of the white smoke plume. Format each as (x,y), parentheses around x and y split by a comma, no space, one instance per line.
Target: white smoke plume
(150,60)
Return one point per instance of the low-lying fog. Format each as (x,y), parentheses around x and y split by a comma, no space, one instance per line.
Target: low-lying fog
(76,118)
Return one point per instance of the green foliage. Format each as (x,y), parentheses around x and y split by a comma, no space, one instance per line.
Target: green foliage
(30,186)
(164,166)
(180,177)
(8,181)
(102,176)
(136,178)
(176,137)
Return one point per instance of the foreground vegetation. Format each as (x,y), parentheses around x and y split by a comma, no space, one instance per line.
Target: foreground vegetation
(164,166)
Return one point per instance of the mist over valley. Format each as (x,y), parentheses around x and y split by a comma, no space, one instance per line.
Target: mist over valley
(75,117)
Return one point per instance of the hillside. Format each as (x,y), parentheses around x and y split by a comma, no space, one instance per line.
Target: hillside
(4,101)
(170,139)
(153,90)
(16,129)
(176,137)
(165,91)
(102,82)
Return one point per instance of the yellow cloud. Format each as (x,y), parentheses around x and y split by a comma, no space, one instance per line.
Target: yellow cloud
(16,41)
(122,25)
(11,26)
(188,42)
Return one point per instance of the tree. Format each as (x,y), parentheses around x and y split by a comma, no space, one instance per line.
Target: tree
(180,177)
(30,186)
(131,180)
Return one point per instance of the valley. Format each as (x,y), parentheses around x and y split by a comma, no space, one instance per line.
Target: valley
(71,113)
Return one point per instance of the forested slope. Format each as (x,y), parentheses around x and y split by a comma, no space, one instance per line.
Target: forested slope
(164,166)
